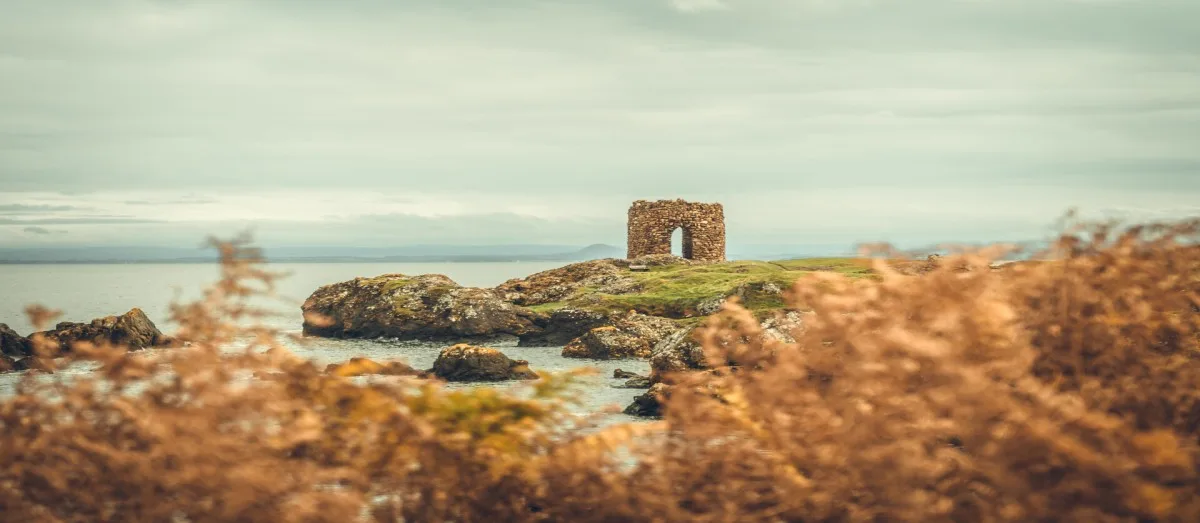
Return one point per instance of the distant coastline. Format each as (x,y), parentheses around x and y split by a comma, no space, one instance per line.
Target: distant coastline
(407,259)
(405,254)
(468,254)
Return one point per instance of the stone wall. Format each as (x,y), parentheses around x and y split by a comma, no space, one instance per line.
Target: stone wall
(652,223)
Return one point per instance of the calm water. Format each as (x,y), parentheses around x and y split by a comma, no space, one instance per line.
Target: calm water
(84,292)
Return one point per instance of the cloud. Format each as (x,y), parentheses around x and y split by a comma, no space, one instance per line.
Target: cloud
(250,112)
(17,208)
(41,231)
(694,6)
(187,200)
(90,220)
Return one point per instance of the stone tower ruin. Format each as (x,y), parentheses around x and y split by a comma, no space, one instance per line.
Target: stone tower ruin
(652,223)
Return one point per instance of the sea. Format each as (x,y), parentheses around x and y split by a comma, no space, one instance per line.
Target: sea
(83,292)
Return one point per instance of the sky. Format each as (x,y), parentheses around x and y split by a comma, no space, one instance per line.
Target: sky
(377,123)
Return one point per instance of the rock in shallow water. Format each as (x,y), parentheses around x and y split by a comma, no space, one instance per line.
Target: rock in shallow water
(429,307)
(13,344)
(561,326)
(637,382)
(464,362)
(365,366)
(648,404)
(132,329)
(32,363)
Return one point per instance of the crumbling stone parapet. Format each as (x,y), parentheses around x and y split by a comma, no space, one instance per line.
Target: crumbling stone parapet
(652,223)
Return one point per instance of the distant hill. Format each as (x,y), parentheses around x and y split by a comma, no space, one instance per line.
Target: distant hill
(409,254)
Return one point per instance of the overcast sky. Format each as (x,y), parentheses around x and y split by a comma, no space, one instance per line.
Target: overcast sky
(373,122)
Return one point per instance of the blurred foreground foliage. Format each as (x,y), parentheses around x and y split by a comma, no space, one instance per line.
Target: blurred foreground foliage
(1060,390)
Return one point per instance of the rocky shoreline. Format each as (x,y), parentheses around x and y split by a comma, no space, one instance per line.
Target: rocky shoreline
(595,310)
(561,307)
(132,330)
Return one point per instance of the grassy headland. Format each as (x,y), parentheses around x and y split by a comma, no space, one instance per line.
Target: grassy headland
(684,291)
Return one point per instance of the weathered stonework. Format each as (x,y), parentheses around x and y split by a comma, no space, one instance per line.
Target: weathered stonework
(651,225)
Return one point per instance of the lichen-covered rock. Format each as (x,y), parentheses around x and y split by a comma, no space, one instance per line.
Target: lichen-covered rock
(430,307)
(365,366)
(754,291)
(649,405)
(13,344)
(464,362)
(132,330)
(652,329)
(783,327)
(561,326)
(607,343)
(676,353)
(681,352)
(629,336)
(605,276)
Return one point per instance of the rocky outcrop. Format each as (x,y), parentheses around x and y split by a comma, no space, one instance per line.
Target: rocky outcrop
(364,366)
(606,343)
(32,363)
(681,352)
(464,362)
(652,329)
(746,292)
(430,307)
(12,344)
(630,336)
(601,276)
(649,405)
(132,330)
(676,353)
(561,326)
(7,364)
(784,326)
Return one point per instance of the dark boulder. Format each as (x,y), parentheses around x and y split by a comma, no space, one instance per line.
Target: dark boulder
(624,374)
(649,405)
(464,362)
(636,382)
(630,336)
(132,330)
(430,307)
(32,363)
(561,326)
(13,344)
(7,364)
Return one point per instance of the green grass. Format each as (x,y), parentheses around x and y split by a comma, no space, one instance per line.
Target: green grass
(547,307)
(675,291)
